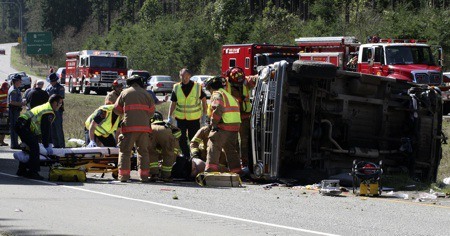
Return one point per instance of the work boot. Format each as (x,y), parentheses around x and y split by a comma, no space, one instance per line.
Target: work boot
(123,178)
(153,178)
(21,172)
(33,175)
(167,180)
(144,179)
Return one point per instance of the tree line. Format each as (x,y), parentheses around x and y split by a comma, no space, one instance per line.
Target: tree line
(164,35)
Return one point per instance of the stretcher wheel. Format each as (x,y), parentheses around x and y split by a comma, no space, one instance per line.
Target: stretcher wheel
(115,174)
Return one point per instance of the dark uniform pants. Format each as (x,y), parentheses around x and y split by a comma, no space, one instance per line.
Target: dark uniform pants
(57,131)
(126,143)
(32,141)
(190,127)
(14,114)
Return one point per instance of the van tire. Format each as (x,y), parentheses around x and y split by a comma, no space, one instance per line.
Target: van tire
(315,70)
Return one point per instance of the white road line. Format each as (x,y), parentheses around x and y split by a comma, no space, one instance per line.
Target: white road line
(180,208)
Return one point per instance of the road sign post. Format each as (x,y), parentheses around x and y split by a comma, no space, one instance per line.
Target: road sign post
(39,43)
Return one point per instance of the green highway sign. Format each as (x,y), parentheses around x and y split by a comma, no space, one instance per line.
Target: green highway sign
(39,43)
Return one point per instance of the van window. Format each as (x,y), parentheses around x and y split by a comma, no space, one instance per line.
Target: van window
(247,62)
(232,62)
(365,55)
(82,61)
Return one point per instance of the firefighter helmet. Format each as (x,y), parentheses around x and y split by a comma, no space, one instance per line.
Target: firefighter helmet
(116,83)
(215,83)
(157,116)
(136,79)
(235,75)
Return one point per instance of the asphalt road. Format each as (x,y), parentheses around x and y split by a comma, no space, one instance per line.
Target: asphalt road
(102,206)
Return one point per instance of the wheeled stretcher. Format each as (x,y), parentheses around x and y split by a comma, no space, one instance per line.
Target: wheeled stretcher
(93,160)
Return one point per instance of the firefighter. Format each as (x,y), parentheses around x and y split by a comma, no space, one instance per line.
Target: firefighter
(112,96)
(198,148)
(240,87)
(102,125)
(34,126)
(188,103)
(225,124)
(137,107)
(3,107)
(165,137)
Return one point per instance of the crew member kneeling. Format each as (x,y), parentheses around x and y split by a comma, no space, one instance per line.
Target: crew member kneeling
(102,126)
(34,126)
(225,124)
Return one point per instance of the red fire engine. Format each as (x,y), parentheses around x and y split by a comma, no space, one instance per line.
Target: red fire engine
(250,56)
(404,59)
(94,70)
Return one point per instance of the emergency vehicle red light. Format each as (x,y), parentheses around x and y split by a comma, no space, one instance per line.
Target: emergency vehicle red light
(412,41)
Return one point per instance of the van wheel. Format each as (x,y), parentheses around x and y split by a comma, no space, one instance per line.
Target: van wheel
(315,70)
(84,90)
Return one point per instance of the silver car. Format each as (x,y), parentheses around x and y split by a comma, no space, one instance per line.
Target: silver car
(160,84)
(26,80)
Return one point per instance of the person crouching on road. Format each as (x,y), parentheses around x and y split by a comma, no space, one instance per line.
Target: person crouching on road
(34,126)
(163,138)
(137,107)
(225,124)
(112,96)
(101,125)
(198,147)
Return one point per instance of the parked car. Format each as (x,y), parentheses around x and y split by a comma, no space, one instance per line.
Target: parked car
(26,80)
(61,73)
(200,79)
(2,51)
(160,84)
(142,73)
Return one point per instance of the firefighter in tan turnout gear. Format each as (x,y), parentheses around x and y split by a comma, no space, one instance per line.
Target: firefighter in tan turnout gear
(112,96)
(199,144)
(225,124)
(164,137)
(137,107)
(240,87)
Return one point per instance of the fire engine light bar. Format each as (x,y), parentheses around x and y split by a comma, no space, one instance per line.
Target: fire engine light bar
(339,39)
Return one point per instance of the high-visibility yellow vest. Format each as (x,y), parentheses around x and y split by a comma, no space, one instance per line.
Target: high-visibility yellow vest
(106,128)
(231,112)
(188,108)
(35,116)
(244,100)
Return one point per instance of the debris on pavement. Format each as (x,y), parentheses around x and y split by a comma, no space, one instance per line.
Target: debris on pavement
(398,195)
(18,210)
(446,181)
(330,188)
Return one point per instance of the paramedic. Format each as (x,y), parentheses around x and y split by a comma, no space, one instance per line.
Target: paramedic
(240,87)
(101,125)
(225,124)
(137,107)
(33,127)
(112,96)
(164,137)
(188,105)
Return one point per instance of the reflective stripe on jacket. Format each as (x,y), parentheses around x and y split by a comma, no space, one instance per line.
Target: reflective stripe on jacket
(243,99)
(188,108)
(35,115)
(106,127)
(225,111)
(137,107)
